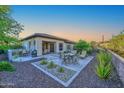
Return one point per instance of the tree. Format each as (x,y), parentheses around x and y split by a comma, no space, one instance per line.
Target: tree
(93,44)
(117,42)
(4,9)
(9,28)
(82,45)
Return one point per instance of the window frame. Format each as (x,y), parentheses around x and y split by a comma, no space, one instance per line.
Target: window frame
(60,46)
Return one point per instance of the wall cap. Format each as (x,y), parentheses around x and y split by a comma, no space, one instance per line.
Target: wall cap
(116,55)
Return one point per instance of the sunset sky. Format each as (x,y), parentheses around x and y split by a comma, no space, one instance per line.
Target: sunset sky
(71,22)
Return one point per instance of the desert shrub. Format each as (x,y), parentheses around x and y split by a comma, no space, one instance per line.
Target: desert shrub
(104,67)
(61,70)
(6,66)
(82,45)
(89,50)
(115,44)
(43,62)
(51,65)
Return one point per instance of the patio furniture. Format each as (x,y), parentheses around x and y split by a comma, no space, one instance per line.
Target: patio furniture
(70,58)
(83,54)
(74,52)
(65,60)
(25,53)
(34,53)
(20,53)
(76,59)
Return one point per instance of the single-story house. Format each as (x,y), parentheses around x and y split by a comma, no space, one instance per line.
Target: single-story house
(45,43)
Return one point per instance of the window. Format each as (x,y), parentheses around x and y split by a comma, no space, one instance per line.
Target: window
(60,46)
(46,45)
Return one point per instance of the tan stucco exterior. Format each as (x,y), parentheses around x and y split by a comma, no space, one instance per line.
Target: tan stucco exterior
(38,44)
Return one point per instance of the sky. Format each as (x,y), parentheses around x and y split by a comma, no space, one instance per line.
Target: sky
(88,23)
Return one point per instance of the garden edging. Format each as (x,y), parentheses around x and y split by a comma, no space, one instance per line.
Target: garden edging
(118,62)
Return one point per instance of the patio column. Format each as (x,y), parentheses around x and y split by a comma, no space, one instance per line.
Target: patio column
(64,46)
(57,47)
(39,46)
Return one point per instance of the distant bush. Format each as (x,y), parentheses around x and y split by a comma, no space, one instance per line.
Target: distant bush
(61,70)
(6,66)
(43,62)
(116,44)
(51,65)
(104,67)
(82,45)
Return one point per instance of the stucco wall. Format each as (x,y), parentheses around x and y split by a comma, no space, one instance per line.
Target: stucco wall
(39,44)
(119,65)
(50,40)
(26,44)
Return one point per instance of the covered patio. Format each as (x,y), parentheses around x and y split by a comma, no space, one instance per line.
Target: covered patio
(48,47)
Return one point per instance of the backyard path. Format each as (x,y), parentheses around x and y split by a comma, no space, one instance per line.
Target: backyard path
(29,76)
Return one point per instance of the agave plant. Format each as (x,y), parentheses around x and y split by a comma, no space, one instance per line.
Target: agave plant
(103,69)
(51,65)
(43,62)
(61,70)
(104,58)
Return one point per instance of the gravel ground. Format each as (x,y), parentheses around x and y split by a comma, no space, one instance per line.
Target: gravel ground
(65,76)
(27,76)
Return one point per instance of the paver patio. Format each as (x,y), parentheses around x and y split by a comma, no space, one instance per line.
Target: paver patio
(28,76)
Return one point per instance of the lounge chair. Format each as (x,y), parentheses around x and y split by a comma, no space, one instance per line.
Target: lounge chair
(74,52)
(25,52)
(83,54)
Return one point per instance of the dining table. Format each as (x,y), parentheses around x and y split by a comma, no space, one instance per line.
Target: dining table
(69,58)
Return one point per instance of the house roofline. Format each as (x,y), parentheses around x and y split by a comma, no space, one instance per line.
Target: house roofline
(47,36)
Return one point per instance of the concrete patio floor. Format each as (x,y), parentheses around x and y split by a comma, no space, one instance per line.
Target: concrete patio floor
(76,67)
